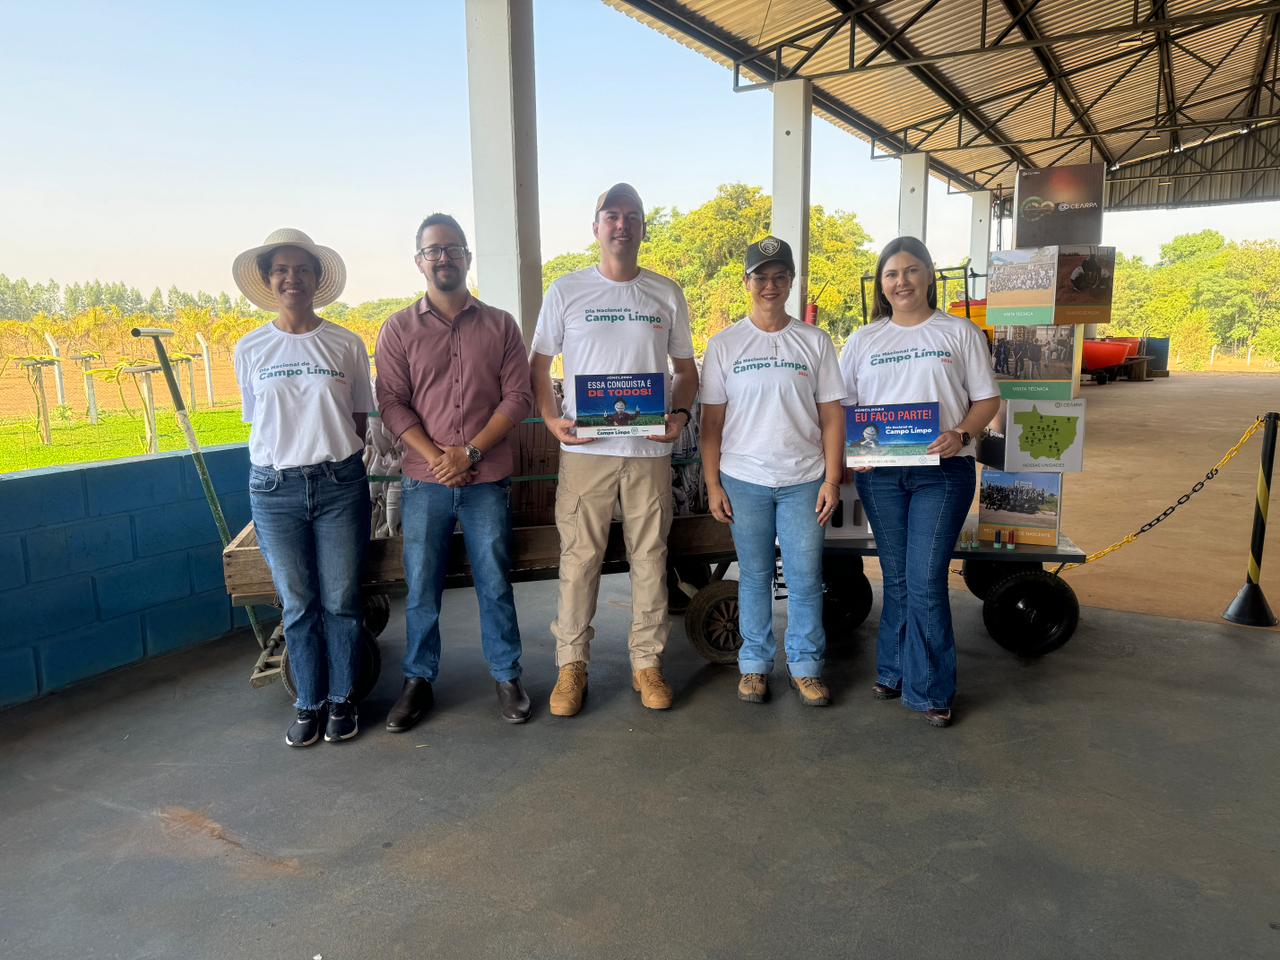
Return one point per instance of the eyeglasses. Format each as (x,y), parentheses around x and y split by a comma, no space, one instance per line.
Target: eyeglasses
(454,252)
(778,280)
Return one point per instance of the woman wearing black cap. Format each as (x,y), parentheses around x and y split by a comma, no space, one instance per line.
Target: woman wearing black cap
(773,456)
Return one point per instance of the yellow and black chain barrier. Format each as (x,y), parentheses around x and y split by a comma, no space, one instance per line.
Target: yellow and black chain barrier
(1168,512)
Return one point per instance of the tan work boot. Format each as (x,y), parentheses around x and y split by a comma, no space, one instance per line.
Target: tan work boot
(654,692)
(753,688)
(813,692)
(571,688)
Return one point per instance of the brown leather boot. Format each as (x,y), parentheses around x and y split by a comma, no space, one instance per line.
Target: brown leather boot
(571,689)
(654,691)
(753,688)
(813,692)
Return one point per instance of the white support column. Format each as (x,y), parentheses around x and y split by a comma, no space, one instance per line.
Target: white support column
(980,239)
(792,126)
(913,196)
(504,157)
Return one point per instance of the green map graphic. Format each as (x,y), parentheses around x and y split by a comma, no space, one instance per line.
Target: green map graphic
(1045,436)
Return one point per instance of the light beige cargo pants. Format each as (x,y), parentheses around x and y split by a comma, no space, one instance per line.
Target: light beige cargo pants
(589,487)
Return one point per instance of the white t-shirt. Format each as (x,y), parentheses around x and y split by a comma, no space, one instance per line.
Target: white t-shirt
(602,326)
(771,384)
(943,359)
(299,391)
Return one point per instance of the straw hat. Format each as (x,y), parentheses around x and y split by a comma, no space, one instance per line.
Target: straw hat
(333,272)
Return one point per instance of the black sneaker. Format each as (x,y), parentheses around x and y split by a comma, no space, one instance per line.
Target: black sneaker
(305,730)
(342,722)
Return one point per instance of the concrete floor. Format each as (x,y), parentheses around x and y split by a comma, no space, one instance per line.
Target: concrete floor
(1116,799)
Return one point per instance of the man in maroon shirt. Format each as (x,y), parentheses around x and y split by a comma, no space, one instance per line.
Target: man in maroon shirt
(453,381)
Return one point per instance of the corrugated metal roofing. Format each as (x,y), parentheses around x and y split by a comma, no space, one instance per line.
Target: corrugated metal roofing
(1189,86)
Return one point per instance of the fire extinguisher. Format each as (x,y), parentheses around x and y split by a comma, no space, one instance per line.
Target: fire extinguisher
(811,308)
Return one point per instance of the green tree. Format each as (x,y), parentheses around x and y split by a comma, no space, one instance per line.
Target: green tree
(1187,246)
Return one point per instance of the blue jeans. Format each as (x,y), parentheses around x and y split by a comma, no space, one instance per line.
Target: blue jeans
(430,511)
(761,516)
(916,514)
(312,525)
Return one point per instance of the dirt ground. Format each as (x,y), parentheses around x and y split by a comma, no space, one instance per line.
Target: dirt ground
(1146,444)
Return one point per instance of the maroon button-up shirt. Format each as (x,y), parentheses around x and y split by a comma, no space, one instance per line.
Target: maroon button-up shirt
(450,378)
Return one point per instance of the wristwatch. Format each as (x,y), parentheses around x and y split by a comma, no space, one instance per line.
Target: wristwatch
(688,417)
(473,453)
(965,437)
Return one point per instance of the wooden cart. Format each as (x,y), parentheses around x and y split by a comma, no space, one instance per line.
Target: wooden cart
(700,551)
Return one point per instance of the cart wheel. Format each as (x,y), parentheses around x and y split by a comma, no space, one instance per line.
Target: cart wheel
(846,595)
(369,666)
(1031,613)
(696,573)
(377,611)
(712,622)
(981,574)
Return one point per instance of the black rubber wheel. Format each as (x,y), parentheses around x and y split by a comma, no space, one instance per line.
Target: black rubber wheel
(377,611)
(696,573)
(366,679)
(846,595)
(712,622)
(981,574)
(1031,613)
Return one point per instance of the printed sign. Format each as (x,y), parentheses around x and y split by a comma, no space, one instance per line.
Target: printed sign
(620,405)
(1059,205)
(893,435)
(1020,507)
(1044,435)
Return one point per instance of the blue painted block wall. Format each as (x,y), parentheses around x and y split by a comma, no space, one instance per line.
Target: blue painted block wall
(106,564)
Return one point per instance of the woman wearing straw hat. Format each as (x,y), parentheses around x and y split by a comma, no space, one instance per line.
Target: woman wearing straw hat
(305,387)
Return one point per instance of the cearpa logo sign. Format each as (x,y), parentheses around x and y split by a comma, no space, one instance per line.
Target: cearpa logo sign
(1059,205)
(1033,208)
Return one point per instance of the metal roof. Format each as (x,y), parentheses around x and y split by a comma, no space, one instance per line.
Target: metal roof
(1178,97)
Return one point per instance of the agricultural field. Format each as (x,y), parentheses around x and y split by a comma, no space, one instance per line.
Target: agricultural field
(116,435)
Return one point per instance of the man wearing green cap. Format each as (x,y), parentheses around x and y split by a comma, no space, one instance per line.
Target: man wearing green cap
(613,318)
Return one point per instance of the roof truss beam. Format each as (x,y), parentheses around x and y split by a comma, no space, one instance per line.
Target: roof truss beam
(810,39)
(1062,87)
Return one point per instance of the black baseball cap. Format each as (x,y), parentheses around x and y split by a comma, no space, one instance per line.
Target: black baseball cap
(770,250)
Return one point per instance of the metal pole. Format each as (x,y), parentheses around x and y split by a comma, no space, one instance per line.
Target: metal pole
(1250,605)
(208,366)
(210,495)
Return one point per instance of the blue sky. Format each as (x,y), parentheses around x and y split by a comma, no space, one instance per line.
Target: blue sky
(150,142)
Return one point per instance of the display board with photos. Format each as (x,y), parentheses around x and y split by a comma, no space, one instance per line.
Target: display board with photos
(1019,507)
(1037,362)
(1051,285)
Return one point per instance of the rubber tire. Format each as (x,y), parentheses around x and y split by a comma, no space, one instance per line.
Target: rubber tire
(982,573)
(711,622)
(377,611)
(369,668)
(694,572)
(846,595)
(1031,613)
